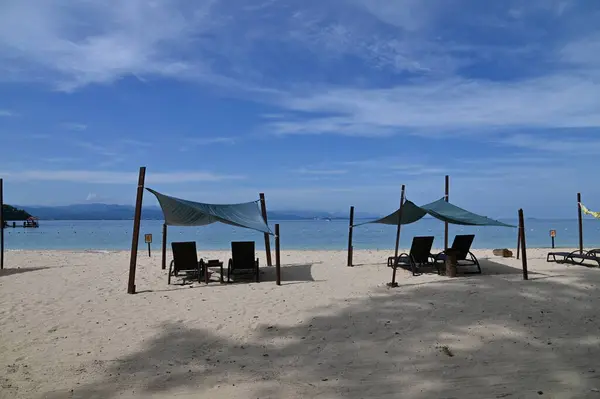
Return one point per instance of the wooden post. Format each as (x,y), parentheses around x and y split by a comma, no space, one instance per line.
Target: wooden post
(580,218)
(518,241)
(1,224)
(136,231)
(263,207)
(447,198)
(394,283)
(350,249)
(277,255)
(399,224)
(523,246)
(164,247)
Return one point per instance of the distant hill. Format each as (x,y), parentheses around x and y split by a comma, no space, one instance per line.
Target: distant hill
(12,213)
(126,212)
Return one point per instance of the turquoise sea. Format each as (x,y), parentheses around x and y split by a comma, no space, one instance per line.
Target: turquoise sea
(113,235)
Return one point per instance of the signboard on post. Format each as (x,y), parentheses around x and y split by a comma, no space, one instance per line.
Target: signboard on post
(552,235)
(148,239)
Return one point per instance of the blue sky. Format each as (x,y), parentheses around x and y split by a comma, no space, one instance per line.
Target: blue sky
(320,104)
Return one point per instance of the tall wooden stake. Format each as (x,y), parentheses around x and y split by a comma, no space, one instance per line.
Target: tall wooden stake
(580,218)
(399,223)
(393,283)
(1,224)
(518,241)
(523,246)
(447,198)
(136,231)
(164,247)
(263,207)
(277,255)
(350,249)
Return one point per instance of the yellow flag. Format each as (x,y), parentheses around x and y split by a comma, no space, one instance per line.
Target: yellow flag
(588,212)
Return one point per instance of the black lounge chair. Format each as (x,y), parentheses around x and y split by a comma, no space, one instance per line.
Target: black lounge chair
(185,259)
(243,260)
(464,257)
(575,257)
(418,256)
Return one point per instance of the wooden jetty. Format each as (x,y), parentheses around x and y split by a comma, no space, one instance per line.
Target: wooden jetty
(31,222)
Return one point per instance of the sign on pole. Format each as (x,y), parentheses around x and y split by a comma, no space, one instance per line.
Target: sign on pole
(148,239)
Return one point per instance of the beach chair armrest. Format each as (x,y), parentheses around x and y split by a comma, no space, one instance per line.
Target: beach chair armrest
(594,252)
(581,256)
(402,255)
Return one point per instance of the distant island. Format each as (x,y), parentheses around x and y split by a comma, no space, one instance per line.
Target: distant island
(125,212)
(12,213)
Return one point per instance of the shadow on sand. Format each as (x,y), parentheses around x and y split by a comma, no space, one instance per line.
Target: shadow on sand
(10,272)
(417,342)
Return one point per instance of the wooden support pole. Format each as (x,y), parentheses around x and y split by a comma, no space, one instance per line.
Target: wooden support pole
(263,207)
(447,198)
(518,241)
(394,283)
(399,224)
(350,249)
(523,246)
(277,255)
(164,247)
(136,231)
(1,224)
(580,219)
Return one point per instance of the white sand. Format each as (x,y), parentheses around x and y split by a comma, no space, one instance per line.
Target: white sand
(70,330)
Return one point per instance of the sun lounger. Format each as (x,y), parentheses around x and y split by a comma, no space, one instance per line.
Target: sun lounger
(464,256)
(575,257)
(418,256)
(185,259)
(243,260)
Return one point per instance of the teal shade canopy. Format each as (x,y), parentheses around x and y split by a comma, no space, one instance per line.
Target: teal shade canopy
(180,212)
(440,209)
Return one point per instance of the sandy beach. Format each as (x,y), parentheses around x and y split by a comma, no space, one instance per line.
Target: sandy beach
(70,330)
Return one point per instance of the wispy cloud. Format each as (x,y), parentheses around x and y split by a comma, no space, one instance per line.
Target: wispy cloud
(559,144)
(457,105)
(74,126)
(196,142)
(7,113)
(321,172)
(111,177)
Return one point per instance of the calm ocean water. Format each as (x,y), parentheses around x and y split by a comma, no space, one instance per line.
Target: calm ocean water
(114,235)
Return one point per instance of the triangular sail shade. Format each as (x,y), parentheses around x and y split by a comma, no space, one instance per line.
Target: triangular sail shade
(180,212)
(410,214)
(439,209)
(453,214)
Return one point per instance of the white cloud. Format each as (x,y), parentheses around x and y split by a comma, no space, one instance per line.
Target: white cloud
(558,144)
(80,43)
(6,113)
(449,105)
(321,172)
(110,177)
(74,126)
(407,75)
(91,197)
(195,142)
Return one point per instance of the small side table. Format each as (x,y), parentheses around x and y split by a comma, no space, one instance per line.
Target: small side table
(451,262)
(214,263)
